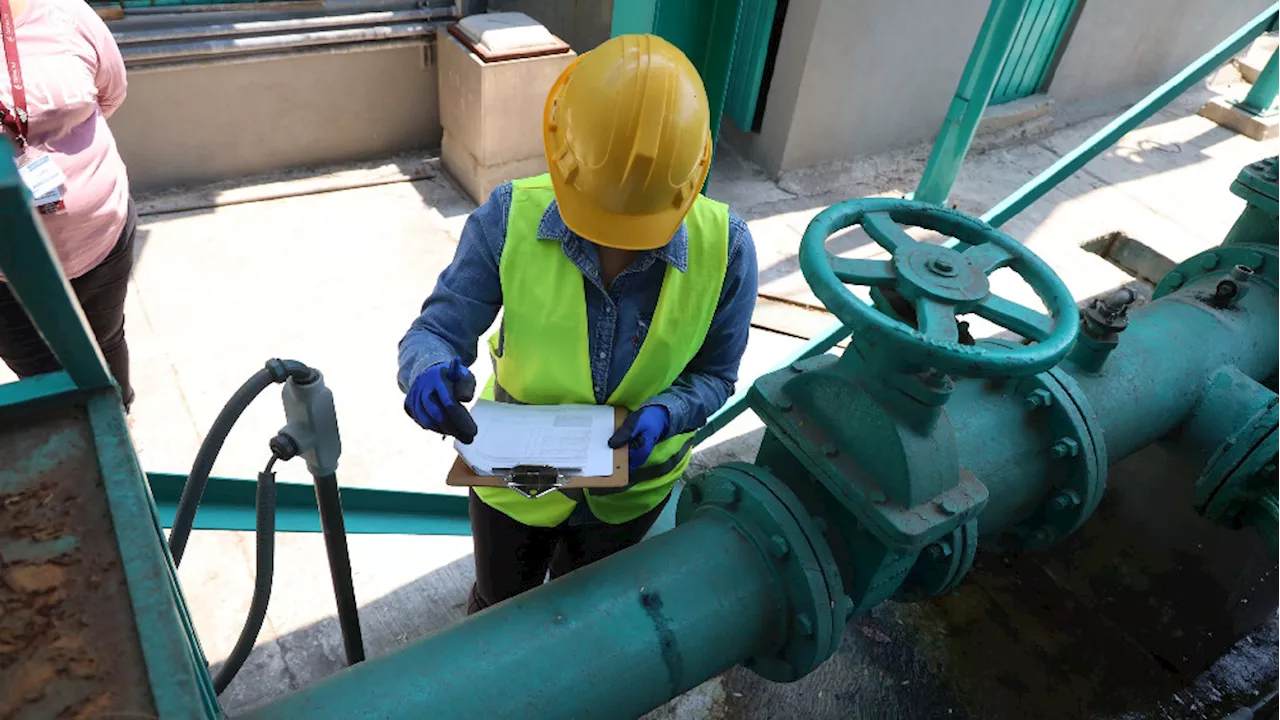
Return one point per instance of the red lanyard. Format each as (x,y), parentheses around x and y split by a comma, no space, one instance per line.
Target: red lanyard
(14,120)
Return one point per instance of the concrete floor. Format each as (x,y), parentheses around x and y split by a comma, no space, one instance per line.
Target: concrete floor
(333,279)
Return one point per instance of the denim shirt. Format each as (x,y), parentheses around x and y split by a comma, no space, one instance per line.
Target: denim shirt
(468,295)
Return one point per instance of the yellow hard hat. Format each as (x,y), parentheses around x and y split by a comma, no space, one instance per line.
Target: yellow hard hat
(628,140)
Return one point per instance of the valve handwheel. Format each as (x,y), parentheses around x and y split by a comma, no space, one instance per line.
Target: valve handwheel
(940,283)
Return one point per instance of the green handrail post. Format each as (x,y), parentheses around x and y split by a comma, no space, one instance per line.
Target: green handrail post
(972,95)
(33,272)
(1262,96)
(1041,184)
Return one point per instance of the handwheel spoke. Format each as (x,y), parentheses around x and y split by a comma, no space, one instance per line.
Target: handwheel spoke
(886,232)
(1013,316)
(857,271)
(988,257)
(937,320)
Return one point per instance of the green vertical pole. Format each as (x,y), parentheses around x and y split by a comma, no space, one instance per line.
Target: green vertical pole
(716,64)
(632,17)
(971,98)
(706,32)
(31,268)
(1262,95)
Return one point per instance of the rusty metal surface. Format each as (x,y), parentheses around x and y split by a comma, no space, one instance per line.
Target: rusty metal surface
(1149,612)
(68,644)
(1183,587)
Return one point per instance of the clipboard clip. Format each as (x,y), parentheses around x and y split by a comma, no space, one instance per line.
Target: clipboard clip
(534,481)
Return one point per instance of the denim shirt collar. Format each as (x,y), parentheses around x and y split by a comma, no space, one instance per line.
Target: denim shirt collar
(675,253)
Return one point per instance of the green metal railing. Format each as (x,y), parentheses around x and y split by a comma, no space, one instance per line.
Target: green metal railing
(954,139)
(175,665)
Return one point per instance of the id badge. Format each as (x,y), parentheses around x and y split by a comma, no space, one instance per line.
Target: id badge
(40,174)
(51,202)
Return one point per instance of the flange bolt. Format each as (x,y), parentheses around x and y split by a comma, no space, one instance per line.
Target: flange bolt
(1065,447)
(779,547)
(1065,500)
(1037,399)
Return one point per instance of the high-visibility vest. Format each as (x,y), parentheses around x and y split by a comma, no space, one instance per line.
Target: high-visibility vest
(541,354)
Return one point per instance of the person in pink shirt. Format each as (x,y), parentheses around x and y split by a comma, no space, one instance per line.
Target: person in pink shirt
(70,77)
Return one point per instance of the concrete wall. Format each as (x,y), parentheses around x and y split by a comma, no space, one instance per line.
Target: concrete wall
(855,79)
(1121,50)
(230,118)
(859,78)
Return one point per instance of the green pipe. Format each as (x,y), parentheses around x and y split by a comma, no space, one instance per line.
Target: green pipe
(974,92)
(1262,95)
(612,640)
(1160,369)
(228,504)
(1041,184)
(1130,119)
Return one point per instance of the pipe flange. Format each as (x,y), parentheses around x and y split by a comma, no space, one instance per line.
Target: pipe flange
(775,521)
(1079,471)
(1216,263)
(941,566)
(1243,466)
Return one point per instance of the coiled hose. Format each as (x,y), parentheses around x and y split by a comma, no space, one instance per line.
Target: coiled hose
(276,371)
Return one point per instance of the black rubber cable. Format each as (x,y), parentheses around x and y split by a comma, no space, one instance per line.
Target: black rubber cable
(264,569)
(329,502)
(276,371)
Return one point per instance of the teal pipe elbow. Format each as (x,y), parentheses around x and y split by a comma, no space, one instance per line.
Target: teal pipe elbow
(612,640)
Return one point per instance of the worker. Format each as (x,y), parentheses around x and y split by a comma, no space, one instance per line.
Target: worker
(619,283)
(63,78)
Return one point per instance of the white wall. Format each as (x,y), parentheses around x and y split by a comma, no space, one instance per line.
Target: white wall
(1121,49)
(859,77)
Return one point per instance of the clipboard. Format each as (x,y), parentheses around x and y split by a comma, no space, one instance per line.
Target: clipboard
(461,474)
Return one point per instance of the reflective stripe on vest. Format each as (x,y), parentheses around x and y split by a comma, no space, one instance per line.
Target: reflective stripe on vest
(541,353)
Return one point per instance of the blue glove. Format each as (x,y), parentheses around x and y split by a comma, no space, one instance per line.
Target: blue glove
(434,400)
(642,430)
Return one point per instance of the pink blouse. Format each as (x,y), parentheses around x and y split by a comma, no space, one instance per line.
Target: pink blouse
(75,79)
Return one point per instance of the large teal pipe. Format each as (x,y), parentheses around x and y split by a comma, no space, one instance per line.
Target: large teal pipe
(1161,368)
(615,639)
(1151,384)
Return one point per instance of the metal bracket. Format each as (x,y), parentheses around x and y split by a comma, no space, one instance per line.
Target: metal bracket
(312,424)
(534,481)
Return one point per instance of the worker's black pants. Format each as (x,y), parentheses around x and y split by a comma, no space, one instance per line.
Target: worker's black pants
(512,557)
(101,294)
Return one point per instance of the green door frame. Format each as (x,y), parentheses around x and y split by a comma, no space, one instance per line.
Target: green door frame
(1035,48)
(705,30)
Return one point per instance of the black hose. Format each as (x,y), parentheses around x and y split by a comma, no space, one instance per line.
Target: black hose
(335,543)
(263,571)
(276,371)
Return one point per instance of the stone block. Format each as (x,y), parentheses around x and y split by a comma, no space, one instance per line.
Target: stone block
(494,110)
(1227,114)
(479,180)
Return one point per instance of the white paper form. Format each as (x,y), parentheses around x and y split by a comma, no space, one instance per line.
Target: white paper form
(562,436)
